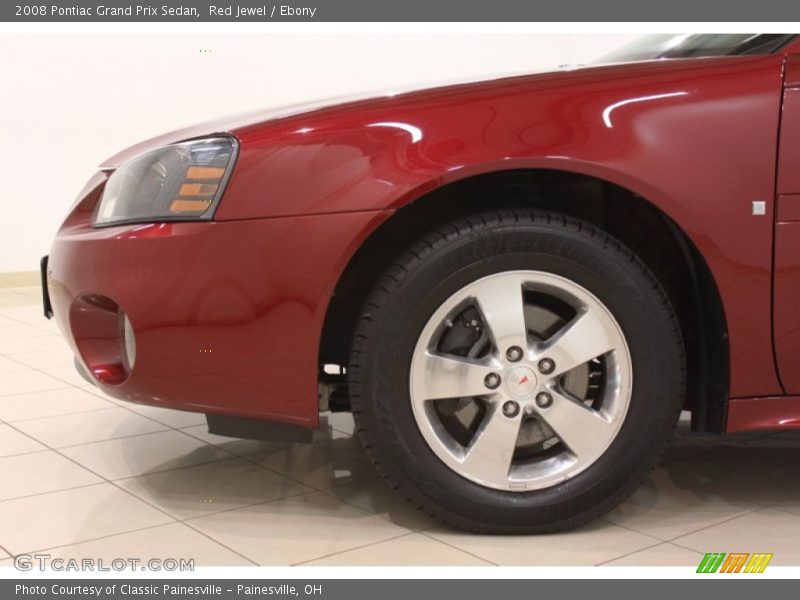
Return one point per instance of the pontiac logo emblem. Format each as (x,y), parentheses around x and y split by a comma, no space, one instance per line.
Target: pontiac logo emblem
(520,382)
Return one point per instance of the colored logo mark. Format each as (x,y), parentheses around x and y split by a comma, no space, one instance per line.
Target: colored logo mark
(735,562)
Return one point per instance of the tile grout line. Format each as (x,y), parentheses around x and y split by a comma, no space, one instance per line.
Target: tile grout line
(330,492)
(390,539)
(271,470)
(106,440)
(173,519)
(677,545)
(103,478)
(98,538)
(160,471)
(86,412)
(183,430)
(67,385)
(112,535)
(55,389)
(43,372)
(743,514)
(30,437)
(15,454)
(629,528)
(67,489)
(61,349)
(104,481)
(312,490)
(69,459)
(605,562)
(188,520)
(100,441)
(426,533)
(34,303)
(216,541)
(77,412)
(750,510)
(684,548)
(36,335)
(4,549)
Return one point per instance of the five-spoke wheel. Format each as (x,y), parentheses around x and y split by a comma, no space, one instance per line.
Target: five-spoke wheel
(538,396)
(516,371)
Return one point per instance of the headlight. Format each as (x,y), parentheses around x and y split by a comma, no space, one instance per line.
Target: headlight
(179,182)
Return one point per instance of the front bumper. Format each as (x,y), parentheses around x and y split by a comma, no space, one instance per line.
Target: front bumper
(227,316)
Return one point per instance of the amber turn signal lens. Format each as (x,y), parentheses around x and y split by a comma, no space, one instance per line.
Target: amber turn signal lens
(188,201)
(198,189)
(195,206)
(205,173)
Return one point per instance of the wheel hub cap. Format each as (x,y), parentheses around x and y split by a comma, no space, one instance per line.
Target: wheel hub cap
(521,382)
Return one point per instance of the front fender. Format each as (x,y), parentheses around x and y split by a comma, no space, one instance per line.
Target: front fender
(697,138)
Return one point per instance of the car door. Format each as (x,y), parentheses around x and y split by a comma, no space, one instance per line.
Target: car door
(786,293)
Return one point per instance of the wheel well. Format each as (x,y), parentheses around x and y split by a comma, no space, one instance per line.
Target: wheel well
(657,240)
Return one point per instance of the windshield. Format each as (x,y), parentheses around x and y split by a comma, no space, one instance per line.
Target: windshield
(692,45)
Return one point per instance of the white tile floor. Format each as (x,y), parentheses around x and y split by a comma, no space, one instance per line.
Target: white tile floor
(82,475)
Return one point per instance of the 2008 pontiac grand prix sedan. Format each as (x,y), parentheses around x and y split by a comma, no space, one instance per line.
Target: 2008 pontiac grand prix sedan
(514,285)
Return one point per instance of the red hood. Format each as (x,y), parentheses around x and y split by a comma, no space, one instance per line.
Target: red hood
(392,99)
(231,123)
(208,128)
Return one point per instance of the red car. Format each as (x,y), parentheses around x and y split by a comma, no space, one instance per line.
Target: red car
(515,285)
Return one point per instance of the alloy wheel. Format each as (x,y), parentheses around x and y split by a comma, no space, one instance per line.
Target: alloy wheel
(520,380)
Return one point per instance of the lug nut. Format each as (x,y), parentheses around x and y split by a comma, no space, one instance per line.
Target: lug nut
(511,409)
(514,353)
(544,400)
(492,381)
(547,365)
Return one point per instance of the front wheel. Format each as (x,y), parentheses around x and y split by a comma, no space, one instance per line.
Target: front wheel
(516,372)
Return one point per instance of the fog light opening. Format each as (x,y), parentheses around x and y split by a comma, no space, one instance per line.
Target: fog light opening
(104,337)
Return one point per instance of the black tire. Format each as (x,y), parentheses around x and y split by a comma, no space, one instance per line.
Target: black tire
(464,251)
